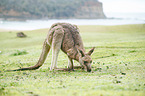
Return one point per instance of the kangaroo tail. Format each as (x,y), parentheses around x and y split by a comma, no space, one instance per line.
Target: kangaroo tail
(45,51)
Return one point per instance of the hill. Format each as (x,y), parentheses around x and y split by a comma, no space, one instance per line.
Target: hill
(51,9)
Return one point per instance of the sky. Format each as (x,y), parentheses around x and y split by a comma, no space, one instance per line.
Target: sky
(124,6)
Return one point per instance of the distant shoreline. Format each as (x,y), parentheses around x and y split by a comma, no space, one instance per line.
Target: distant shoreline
(13,30)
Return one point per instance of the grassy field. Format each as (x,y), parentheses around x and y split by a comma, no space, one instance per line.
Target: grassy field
(118,64)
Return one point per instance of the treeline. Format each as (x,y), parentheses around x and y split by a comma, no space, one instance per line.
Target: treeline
(41,8)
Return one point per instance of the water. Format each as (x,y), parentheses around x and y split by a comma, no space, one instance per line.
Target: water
(117,19)
(136,16)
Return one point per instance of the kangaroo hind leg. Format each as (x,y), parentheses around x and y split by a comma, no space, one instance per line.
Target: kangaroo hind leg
(56,45)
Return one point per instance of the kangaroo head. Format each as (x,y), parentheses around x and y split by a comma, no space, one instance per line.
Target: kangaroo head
(85,59)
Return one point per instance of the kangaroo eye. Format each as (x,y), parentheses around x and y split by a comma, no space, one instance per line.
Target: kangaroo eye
(85,62)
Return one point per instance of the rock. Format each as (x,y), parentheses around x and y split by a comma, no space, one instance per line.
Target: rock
(21,35)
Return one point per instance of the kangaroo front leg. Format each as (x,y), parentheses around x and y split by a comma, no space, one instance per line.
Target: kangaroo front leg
(70,64)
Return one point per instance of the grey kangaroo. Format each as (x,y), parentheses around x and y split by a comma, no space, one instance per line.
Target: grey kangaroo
(66,37)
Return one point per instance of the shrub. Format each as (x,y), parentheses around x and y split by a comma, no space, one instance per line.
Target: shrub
(19,52)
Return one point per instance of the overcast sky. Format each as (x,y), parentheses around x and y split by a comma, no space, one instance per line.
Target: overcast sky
(123,5)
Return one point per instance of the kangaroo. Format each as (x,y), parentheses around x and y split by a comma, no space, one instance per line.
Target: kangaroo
(66,37)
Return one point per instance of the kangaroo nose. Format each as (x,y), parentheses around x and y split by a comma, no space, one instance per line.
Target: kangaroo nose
(89,68)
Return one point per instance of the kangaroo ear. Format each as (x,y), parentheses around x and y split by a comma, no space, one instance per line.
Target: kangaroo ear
(91,51)
(81,52)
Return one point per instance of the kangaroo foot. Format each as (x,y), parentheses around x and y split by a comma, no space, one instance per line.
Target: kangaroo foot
(62,69)
(78,67)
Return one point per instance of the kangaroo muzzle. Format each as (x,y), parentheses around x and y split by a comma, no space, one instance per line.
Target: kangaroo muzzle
(88,67)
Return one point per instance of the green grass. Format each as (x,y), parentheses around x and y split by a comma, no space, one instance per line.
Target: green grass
(118,64)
